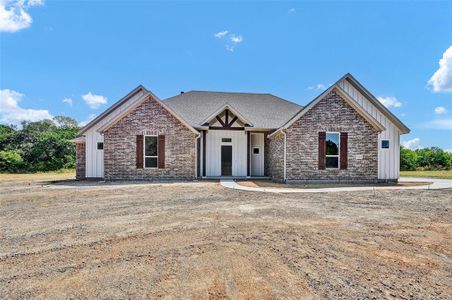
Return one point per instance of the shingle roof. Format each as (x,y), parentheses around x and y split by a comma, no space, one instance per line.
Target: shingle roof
(262,110)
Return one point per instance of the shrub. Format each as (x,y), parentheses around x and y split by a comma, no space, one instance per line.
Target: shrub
(11,161)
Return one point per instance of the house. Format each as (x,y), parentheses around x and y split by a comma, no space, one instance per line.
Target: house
(344,134)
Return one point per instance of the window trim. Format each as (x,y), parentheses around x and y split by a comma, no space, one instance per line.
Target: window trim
(338,150)
(381,144)
(144,152)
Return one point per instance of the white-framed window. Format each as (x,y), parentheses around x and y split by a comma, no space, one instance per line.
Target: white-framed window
(150,151)
(384,144)
(332,150)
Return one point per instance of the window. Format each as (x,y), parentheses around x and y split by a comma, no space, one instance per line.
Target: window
(332,150)
(100,146)
(150,152)
(255,150)
(226,140)
(384,144)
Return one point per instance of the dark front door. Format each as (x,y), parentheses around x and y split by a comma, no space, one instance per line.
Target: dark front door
(226,160)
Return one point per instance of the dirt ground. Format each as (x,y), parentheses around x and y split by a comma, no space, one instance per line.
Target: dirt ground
(201,240)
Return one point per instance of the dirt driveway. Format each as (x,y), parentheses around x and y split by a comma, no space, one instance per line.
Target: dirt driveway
(200,240)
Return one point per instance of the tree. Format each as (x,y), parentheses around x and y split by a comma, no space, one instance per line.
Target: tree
(6,135)
(408,159)
(65,122)
(440,158)
(11,161)
(38,146)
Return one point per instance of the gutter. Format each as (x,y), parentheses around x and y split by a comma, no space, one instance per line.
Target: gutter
(198,136)
(285,154)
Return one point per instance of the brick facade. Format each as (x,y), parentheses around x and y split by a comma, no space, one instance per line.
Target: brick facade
(331,114)
(276,157)
(150,118)
(80,158)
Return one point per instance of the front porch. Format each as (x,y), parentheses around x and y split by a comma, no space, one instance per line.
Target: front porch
(229,148)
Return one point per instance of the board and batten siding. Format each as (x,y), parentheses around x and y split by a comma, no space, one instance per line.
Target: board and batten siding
(388,159)
(213,152)
(257,160)
(95,158)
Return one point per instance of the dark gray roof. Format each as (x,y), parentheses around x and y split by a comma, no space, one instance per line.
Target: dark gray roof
(262,110)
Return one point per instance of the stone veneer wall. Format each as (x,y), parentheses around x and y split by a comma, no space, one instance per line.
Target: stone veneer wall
(276,157)
(150,118)
(335,115)
(80,158)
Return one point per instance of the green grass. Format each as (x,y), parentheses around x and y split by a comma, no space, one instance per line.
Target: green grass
(432,174)
(56,175)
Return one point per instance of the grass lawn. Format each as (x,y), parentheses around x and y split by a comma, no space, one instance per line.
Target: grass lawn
(434,174)
(57,175)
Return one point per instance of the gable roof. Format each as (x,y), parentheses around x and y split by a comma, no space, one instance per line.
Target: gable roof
(402,127)
(124,99)
(235,112)
(118,117)
(262,111)
(336,87)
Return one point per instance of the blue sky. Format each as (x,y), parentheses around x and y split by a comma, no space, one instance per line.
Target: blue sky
(78,57)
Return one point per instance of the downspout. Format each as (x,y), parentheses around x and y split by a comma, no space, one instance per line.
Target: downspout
(198,135)
(285,154)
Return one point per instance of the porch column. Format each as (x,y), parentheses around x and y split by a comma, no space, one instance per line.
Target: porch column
(248,154)
(204,132)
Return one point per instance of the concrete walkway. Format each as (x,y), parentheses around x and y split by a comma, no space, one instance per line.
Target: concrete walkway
(435,184)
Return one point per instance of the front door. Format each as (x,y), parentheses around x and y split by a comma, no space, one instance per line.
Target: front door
(226,160)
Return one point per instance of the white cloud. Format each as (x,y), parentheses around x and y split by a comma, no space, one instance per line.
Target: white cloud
(236,38)
(232,39)
(14,14)
(441,81)
(317,87)
(221,34)
(292,10)
(412,144)
(12,113)
(440,110)
(94,101)
(390,101)
(439,124)
(68,101)
(90,118)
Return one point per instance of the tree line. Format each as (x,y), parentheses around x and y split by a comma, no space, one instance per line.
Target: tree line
(38,146)
(432,158)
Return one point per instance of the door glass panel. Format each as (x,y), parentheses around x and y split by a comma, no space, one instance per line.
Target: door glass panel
(226,160)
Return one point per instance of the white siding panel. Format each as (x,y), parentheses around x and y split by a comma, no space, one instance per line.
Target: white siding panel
(388,159)
(213,152)
(257,160)
(94,157)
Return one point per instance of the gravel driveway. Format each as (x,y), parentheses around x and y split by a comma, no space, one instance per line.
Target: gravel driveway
(200,240)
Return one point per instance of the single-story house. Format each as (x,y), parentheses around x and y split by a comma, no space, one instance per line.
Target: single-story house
(344,134)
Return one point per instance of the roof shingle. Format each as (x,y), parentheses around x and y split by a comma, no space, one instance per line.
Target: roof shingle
(264,111)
